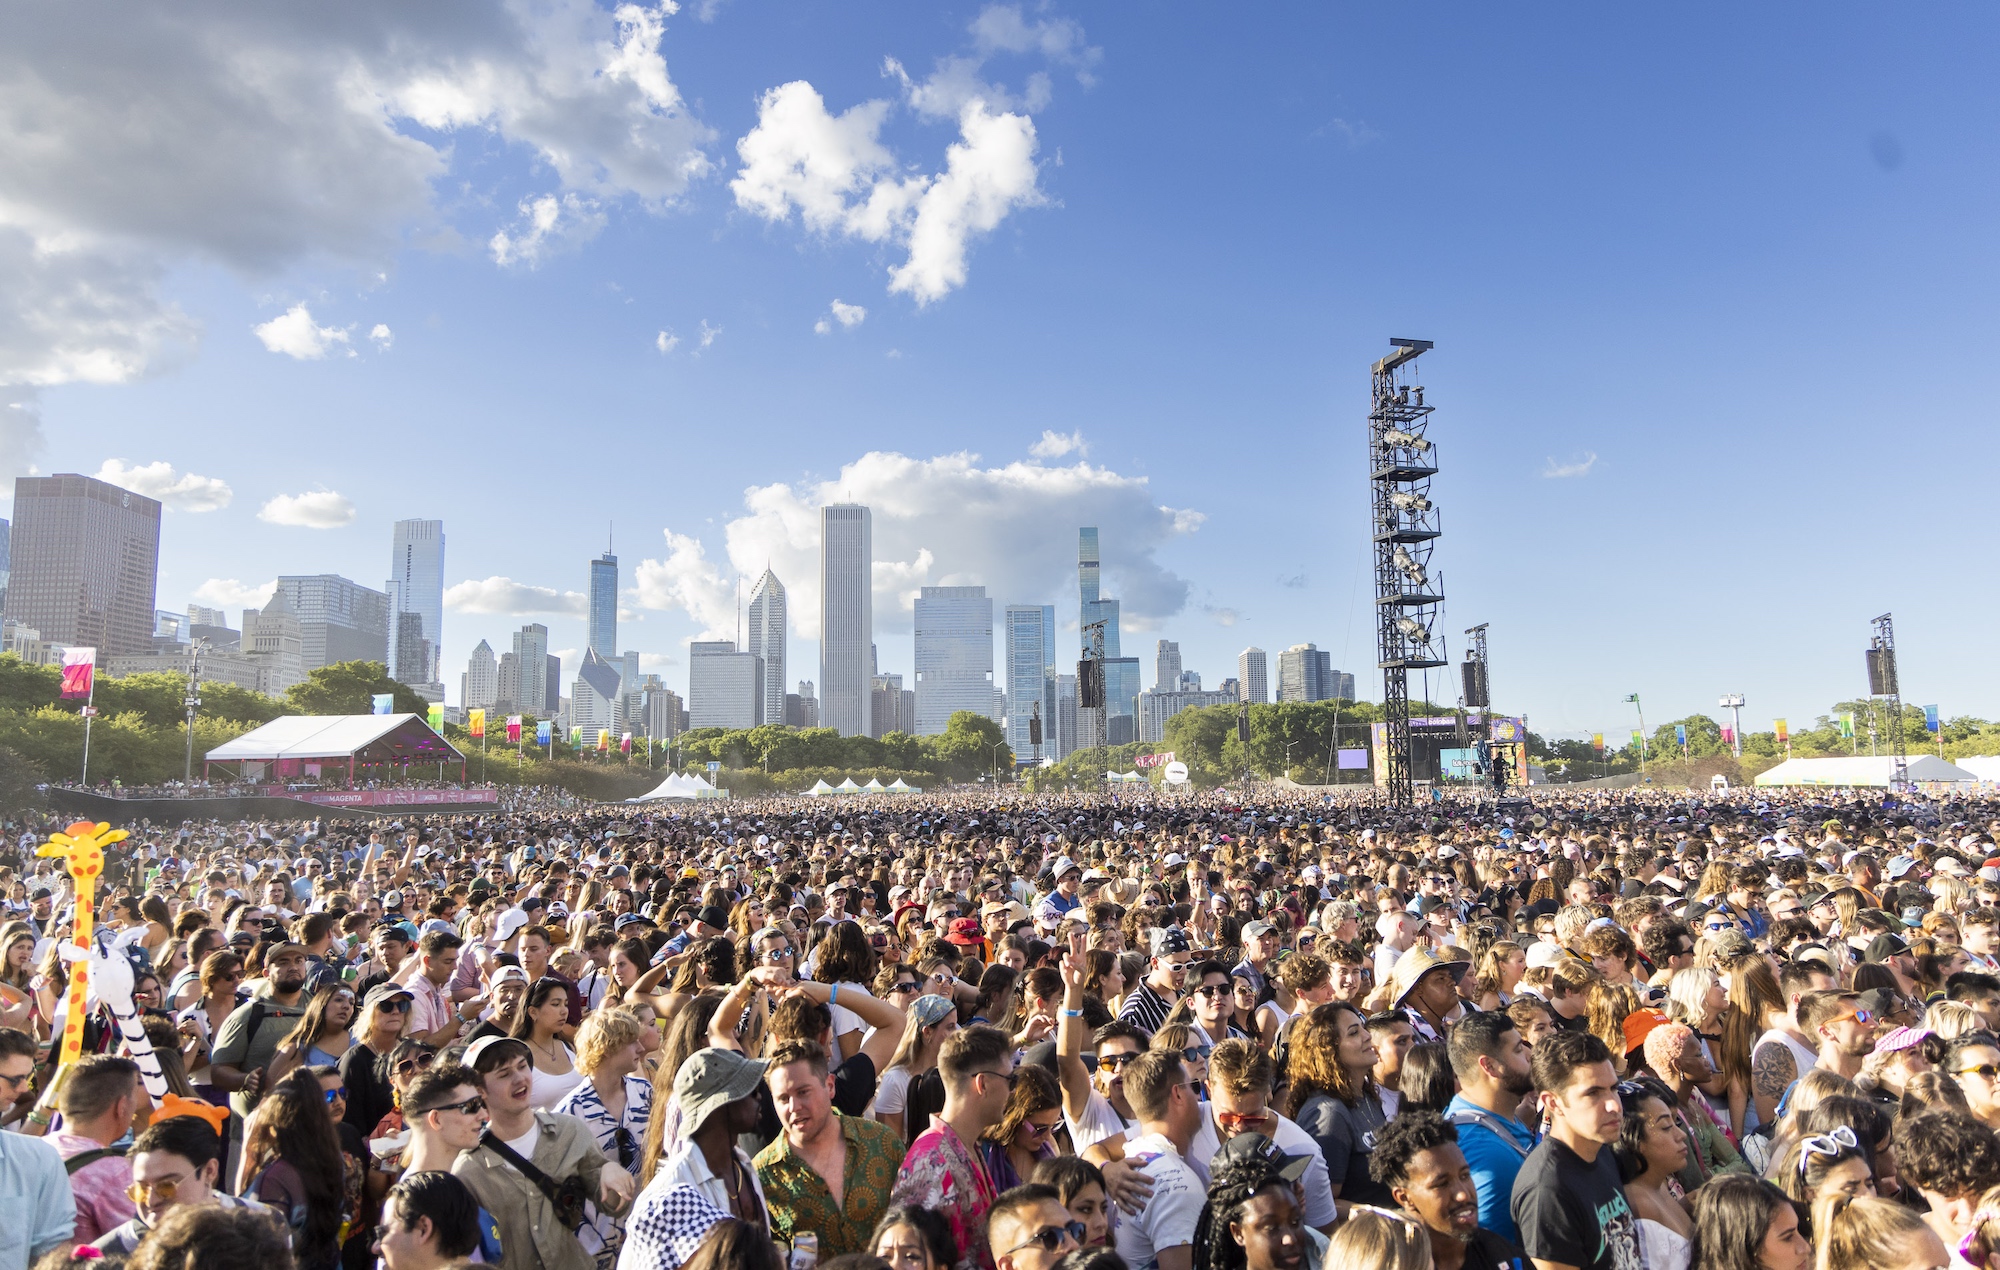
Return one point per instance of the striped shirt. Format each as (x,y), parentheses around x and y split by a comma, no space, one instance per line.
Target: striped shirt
(1145,1009)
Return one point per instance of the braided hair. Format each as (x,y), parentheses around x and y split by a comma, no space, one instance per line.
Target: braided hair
(1231,1186)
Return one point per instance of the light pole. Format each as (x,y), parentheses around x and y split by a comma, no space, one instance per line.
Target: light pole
(1634,699)
(1734,704)
(193,703)
(996,747)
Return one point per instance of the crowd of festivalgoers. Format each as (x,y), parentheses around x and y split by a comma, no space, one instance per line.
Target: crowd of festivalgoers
(1628,1031)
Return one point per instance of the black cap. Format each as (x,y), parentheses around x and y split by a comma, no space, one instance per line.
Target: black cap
(1883,947)
(714,915)
(1255,1151)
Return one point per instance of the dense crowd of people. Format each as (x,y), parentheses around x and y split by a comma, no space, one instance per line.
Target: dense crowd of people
(1605,1031)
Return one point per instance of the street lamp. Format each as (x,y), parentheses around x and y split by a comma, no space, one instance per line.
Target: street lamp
(996,747)
(1734,704)
(193,703)
(1634,699)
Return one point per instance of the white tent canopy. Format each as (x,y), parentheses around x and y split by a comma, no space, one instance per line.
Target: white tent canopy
(678,786)
(1860,771)
(900,788)
(819,787)
(367,738)
(847,787)
(874,786)
(1986,766)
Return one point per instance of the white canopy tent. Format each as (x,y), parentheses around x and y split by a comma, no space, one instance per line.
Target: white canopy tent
(356,740)
(1985,766)
(1861,771)
(847,787)
(900,788)
(678,786)
(874,786)
(819,787)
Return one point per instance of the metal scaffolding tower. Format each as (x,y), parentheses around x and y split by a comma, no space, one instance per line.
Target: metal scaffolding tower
(1405,526)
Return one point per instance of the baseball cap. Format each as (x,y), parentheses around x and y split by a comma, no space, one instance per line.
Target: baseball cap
(384,992)
(714,915)
(965,931)
(508,974)
(1065,866)
(488,1052)
(626,920)
(1883,947)
(1166,940)
(1257,928)
(1255,1151)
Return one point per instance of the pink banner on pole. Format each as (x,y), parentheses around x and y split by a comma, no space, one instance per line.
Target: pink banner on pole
(78,667)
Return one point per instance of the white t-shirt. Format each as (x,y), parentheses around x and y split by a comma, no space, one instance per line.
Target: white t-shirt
(892,1093)
(1100,1123)
(1287,1137)
(844,1019)
(1169,1218)
(524,1146)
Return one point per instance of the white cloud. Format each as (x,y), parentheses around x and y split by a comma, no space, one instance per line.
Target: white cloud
(848,316)
(295,334)
(655,662)
(1576,467)
(228,593)
(382,336)
(182,491)
(319,509)
(835,170)
(209,133)
(707,336)
(508,598)
(667,342)
(548,225)
(569,657)
(1054,445)
(937,521)
(21,440)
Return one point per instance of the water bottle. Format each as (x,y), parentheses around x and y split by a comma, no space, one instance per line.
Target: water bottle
(805,1251)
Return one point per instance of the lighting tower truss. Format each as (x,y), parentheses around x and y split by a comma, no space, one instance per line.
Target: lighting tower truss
(1882,653)
(1405,527)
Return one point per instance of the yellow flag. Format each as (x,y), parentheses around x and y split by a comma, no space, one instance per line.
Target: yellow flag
(475,721)
(603,738)
(1784,733)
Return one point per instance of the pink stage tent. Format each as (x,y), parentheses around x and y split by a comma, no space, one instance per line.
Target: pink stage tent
(299,743)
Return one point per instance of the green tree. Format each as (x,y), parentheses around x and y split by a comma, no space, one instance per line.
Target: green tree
(349,687)
(965,748)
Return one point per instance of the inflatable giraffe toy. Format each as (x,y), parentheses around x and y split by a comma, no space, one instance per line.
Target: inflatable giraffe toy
(81,849)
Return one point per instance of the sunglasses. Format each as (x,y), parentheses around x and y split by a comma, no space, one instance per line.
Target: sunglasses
(776,954)
(1012,1078)
(1987,1070)
(1859,1016)
(335,1094)
(906,985)
(1050,1238)
(165,1190)
(1214,990)
(470,1107)
(1238,1120)
(1111,1062)
(395,1005)
(1197,1053)
(1841,1139)
(411,1064)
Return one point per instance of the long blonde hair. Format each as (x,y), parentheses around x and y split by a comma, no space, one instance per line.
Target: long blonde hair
(1856,1233)
(1375,1239)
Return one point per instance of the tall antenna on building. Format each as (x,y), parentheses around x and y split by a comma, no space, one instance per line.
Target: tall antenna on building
(610,528)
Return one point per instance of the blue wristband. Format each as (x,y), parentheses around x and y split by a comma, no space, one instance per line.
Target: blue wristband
(833,996)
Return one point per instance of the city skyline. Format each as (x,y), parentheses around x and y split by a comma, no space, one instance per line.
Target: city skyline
(1675,284)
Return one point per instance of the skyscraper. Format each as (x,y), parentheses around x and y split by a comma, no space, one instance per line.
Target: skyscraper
(272,640)
(1252,673)
(1167,666)
(531,657)
(722,685)
(604,604)
(767,645)
(5,537)
(846,617)
(480,688)
(593,696)
(1305,673)
(954,655)
(416,590)
(1116,723)
(88,556)
(1031,631)
(339,620)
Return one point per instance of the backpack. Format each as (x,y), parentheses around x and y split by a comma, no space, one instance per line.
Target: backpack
(84,1159)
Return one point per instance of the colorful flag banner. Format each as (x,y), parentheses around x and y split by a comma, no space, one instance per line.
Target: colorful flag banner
(1681,734)
(1847,725)
(385,703)
(542,732)
(1784,733)
(475,722)
(1638,739)
(514,727)
(1597,742)
(625,744)
(603,739)
(1729,736)
(576,736)
(79,669)
(1930,718)
(435,716)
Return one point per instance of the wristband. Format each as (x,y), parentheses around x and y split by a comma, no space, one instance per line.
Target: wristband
(833,996)
(1072,1014)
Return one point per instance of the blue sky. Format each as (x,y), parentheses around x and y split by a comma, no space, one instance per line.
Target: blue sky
(1731,269)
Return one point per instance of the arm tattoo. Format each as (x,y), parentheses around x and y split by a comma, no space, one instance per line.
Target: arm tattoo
(1772,1070)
